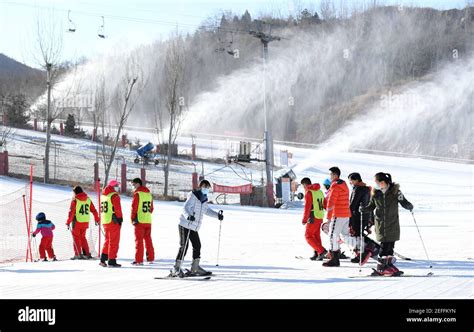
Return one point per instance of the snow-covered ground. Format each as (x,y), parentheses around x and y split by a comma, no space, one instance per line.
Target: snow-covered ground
(259,245)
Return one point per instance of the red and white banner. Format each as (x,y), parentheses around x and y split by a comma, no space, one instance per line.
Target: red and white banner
(244,189)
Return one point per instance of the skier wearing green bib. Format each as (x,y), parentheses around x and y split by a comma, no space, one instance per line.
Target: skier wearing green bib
(111,213)
(79,216)
(313,216)
(142,209)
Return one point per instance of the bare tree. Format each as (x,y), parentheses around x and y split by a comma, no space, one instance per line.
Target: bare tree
(127,92)
(49,44)
(6,133)
(169,111)
(47,51)
(327,9)
(100,104)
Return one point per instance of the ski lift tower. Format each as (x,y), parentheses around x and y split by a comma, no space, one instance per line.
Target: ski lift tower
(267,137)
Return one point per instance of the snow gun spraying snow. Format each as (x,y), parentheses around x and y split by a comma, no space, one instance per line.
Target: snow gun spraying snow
(145,154)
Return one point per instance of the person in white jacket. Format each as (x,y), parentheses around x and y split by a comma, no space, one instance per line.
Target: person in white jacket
(190,221)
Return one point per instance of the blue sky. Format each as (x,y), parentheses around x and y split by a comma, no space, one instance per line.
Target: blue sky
(132,23)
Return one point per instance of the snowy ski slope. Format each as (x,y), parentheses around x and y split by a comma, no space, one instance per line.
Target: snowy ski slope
(259,245)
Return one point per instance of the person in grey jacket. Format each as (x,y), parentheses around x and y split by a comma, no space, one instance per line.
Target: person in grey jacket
(190,221)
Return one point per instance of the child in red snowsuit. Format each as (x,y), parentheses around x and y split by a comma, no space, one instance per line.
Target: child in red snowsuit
(45,227)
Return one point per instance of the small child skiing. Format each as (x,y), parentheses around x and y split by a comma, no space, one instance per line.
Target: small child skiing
(189,224)
(45,227)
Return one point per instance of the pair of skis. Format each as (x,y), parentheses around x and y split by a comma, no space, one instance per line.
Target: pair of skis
(396,275)
(186,276)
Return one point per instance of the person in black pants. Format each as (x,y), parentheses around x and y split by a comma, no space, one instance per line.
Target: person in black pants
(385,199)
(190,221)
(360,196)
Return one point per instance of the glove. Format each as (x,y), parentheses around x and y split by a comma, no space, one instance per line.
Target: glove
(410,208)
(303,222)
(33,234)
(361,209)
(96,223)
(220,215)
(68,228)
(191,218)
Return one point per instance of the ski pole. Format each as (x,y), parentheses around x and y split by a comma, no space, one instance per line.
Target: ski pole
(426,252)
(74,242)
(219,241)
(184,250)
(185,246)
(361,245)
(36,248)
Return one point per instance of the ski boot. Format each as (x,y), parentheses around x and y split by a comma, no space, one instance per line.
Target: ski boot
(342,256)
(315,256)
(176,271)
(334,261)
(385,267)
(395,271)
(356,258)
(197,270)
(103,260)
(54,259)
(76,257)
(44,259)
(365,257)
(113,263)
(322,255)
(137,263)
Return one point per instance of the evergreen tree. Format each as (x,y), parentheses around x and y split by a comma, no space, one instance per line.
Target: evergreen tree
(16,108)
(70,128)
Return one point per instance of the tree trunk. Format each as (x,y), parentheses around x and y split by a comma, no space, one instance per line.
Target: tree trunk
(168,156)
(112,155)
(49,120)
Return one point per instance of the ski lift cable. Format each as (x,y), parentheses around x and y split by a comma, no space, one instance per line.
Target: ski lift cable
(137,20)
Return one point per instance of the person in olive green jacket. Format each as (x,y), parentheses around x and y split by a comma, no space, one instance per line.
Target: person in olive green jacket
(385,199)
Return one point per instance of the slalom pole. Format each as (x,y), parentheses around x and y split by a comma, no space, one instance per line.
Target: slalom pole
(100,216)
(31,204)
(426,251)
(28,246)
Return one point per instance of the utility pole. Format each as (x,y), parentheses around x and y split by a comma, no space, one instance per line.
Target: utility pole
(267,136)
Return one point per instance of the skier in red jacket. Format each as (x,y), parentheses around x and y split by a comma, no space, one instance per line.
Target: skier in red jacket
(338,214)
(111,213)
(313,217)
(141,216)
(79,215)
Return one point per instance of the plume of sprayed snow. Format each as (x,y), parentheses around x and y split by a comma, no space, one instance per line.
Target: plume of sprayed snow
(435,113)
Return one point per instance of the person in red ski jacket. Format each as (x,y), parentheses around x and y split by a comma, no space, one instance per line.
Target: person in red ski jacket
(314,208)
(141,216)
(338,214)
(79,216)
(111,216)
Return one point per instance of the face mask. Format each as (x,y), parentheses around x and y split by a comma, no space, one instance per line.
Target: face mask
(205,191)
(377,186)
